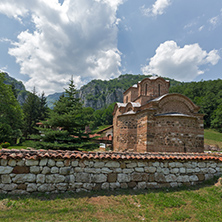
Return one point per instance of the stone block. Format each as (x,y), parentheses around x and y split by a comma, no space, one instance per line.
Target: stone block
(24,178)
(97,186)
(88,186)
(75,163)
(139,169)
(160,177)
(40,178)
(136,177)
(83,177)
(18,192)
(193,178)
(106,170)
(141,185)
(51,162)
(54,169)
(122,165)
(31,162)
(99,178)
(67,162)
(21,169)
(12,162)
(54,178)
(150,169)
(9,187)
(211,170)
(6,178)
(132,184)
(105,186)
(174,170)
(201,164)
(182,170)
(46,170)
(35,169)
(79,169)
(183,179)
(20,163)
(32,187)
(122,177)
(4,162)
(128,171)
(131,165)
(98,164)
(124,185)
(43,162)
(46,187)
(165,170)
(170,178)
(114,185)
(22,186)
(112,164)
(5,169)
(112,177)
(156,164)
(201,177)
(59,164)
(65,170)
(62,186)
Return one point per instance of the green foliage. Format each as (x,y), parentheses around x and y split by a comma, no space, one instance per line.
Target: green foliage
(10,114)
(5,145)
(65,127)
(207,95)
(34,109)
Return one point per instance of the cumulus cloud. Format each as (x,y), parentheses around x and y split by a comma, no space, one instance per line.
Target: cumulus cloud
(76,38)
(179,63)
(157,8)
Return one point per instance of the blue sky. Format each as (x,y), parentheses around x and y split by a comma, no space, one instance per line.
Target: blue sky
(43,43)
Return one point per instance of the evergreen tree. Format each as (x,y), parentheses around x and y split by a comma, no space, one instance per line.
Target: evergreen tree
(10,114)
(65,127)
(31,113)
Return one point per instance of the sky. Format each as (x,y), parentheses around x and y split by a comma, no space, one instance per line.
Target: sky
(44,43)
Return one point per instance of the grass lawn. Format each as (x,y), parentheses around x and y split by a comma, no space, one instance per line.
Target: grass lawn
(196,203)
(212,137)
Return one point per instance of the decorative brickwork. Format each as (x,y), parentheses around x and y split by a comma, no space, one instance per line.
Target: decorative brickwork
(151,120)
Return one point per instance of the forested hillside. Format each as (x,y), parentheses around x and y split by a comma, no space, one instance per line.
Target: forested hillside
(101,93)
(207,95)
(17,87)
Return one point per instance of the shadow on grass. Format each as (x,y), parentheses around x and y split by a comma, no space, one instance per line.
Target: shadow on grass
(117,192)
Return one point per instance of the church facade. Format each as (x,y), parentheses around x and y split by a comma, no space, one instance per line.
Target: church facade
(151,119)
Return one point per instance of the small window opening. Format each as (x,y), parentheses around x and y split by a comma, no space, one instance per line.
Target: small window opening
(158,89)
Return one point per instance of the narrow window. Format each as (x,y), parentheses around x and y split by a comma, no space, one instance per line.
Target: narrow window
(127,99)
(158,89)
(146,89)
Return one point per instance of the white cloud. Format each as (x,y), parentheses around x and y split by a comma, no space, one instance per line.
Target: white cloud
(179,63)
(157,8)
(76,38)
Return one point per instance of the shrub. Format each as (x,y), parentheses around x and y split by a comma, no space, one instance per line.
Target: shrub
(5,145)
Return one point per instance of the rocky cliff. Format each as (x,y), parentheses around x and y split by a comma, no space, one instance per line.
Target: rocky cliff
(18,86)
(98,93)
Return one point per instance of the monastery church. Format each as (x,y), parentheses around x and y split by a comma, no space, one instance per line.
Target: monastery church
(151,119)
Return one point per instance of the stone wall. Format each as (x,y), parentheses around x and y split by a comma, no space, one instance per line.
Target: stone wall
(23,176)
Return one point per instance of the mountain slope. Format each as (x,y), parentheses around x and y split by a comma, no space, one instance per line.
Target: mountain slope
(98,93)
(18,86)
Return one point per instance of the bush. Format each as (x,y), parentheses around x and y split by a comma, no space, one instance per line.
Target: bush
(5,145)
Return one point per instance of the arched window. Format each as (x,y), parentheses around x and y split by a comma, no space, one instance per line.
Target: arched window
(127,99)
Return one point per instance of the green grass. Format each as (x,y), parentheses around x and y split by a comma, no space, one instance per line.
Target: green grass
(196,203)
(212,137)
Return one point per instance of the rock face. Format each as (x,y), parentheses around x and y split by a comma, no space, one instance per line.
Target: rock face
(98,94)
(19,87)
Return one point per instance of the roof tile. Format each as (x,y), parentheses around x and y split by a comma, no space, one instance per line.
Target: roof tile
(58,154)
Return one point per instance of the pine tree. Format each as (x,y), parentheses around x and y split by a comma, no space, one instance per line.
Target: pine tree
(10,114)
(65,128)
